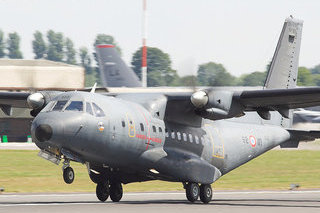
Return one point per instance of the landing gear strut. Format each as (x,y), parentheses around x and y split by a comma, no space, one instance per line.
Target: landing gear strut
(68,173)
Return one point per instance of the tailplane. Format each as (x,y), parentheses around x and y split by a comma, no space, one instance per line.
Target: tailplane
(113,71)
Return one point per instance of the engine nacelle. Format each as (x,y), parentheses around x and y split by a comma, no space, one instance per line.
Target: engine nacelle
(216,104)
(37,101)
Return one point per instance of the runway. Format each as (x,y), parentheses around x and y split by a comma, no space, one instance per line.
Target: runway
(223,201)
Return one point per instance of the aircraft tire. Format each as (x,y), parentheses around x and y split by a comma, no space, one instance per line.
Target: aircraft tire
(192,192)
(116,192)
(102,191)
(205,193)
(68,175)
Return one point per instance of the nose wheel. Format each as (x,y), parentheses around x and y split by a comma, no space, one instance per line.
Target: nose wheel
(68,173)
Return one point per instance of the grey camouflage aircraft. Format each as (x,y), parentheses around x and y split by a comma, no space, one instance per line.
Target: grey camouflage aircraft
(192,138)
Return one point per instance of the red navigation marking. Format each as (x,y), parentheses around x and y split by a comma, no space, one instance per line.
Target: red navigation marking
(156,140)
(105,46)
(148,138)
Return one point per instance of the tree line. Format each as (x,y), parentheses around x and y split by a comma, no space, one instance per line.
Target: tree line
(55,46)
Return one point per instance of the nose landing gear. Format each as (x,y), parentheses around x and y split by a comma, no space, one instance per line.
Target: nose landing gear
(68,173)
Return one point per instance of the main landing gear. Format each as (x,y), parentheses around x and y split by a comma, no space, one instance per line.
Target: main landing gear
(193,191)
(68,173)
(104,190)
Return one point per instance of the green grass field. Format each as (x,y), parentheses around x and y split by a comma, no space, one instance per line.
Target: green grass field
(24,171)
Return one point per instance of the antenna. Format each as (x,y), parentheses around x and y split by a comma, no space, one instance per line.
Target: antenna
(144,46)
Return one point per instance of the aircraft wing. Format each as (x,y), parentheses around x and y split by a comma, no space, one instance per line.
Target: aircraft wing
(275,99)
(14,99)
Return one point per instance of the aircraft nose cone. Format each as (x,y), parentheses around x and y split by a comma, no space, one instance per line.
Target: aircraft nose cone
(43,132)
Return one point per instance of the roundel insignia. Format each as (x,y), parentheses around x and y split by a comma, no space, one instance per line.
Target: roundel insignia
(100,126)
(252,141)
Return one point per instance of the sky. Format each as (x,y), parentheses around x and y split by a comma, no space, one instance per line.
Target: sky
(241,35)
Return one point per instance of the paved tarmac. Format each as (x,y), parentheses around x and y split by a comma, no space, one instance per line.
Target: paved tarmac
(224,201)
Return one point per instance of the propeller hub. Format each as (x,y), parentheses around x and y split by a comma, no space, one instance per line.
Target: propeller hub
(35,100)
(199,99)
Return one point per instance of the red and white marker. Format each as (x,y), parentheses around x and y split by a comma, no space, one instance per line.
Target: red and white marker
(144,46)
(252,140)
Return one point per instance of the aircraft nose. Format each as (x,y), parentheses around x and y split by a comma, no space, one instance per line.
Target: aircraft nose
(43,132)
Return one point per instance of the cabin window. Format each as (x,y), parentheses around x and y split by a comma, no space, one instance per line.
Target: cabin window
(166,133)
(123,123)
(173,135)
(179,136)
(160,130)
(196,139)
(141,127)
(97,110)
(184,135)
(190,138)
(59,105)
(154,129)
(89,108)
(202,140)
(75,106)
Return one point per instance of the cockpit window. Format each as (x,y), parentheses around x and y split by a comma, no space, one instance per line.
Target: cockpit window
(48,107)
(59,105)
(97,110)
(75,106)
(89,108)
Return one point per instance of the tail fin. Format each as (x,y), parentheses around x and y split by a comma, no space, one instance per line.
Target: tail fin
(113,71)
(283,71)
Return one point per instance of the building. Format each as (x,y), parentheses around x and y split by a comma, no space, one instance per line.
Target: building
(26,75)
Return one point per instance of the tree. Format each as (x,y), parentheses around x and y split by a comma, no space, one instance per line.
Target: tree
(13,46)
(55,46)
(305,77)
(70,52)
(212,74)
(85,59)
(159,70)
(39,45)
(2,45)
(252,79)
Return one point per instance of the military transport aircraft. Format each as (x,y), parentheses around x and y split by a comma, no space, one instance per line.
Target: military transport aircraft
(192,138)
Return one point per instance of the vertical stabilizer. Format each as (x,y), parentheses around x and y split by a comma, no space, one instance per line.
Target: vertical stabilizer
(113,71)
(283,71)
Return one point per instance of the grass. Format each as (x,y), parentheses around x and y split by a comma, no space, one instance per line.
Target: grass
(24,171)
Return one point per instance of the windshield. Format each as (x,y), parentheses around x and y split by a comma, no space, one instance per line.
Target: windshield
(97,110)
(59,105)
(75,106)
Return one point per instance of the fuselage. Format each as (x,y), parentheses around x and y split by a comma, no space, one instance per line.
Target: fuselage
(122,134)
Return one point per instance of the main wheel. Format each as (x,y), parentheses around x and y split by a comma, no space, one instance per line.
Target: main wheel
(192,191)
(102,191)
(68,175)
(116,192)
(205,193)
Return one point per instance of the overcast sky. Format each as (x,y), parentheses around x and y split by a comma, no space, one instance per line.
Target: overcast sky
(241,35)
